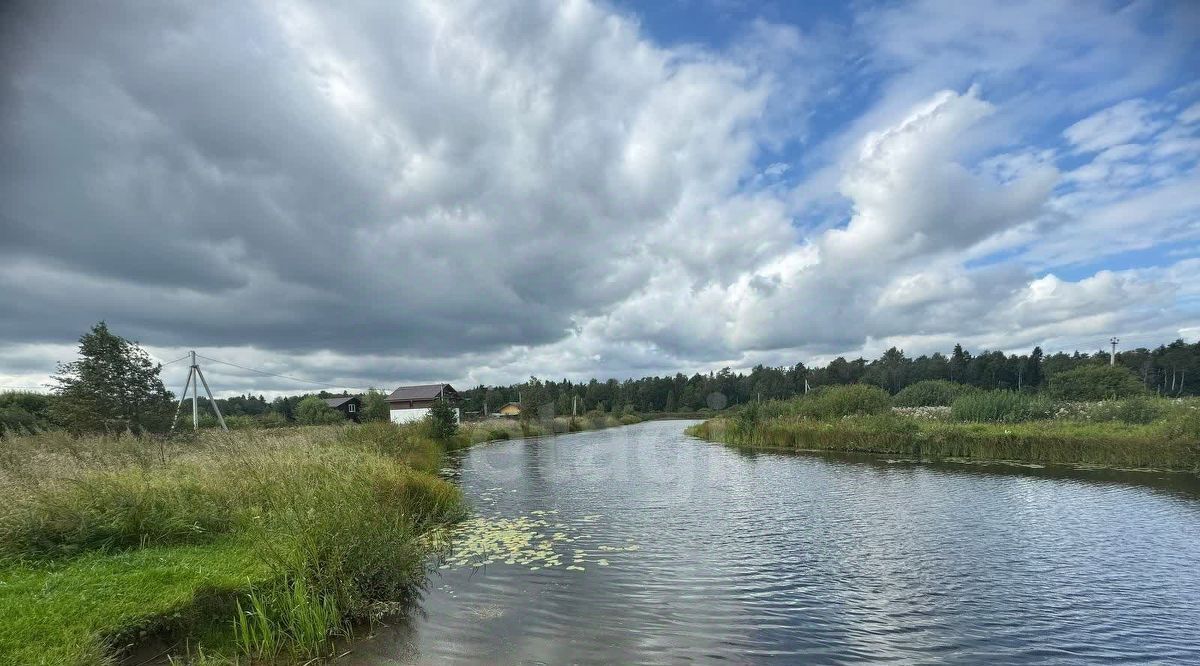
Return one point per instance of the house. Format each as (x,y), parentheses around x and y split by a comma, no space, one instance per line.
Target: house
(510,409)
(350,405)
(412,403)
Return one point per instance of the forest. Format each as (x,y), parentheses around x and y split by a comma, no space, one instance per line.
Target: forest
(1170,370)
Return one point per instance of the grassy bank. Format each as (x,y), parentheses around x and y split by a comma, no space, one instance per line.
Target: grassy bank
(256,544)
(487,430)
(1141,433)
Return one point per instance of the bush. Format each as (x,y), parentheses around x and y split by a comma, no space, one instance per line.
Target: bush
(273,420)
(835,402)
(931,393)
(1139,410)
(443,421)
(375,407)
(241,422)
(1095,382)
(1001,407)
(1183,423)
(313,411)
(23,412)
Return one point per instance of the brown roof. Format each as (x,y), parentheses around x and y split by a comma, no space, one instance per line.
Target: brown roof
(422,392)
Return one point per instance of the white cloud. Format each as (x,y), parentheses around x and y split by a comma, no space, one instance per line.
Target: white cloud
(372,193)
(1119,124)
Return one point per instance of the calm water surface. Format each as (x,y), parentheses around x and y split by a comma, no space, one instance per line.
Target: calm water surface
(690,551)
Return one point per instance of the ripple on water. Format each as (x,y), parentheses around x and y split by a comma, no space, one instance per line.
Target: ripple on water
(642,545)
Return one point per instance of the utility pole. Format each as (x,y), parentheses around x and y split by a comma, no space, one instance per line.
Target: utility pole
(1112,357)
(194,379)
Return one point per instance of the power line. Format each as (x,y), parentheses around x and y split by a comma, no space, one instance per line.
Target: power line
(273,374)
(181,358)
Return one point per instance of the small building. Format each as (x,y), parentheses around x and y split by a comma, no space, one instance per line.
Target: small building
(510,409)
(412,403)
(350,405)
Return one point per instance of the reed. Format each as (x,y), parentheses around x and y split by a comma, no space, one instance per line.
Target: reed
(931,393)
(1000,407)
(265,543)
(1170,443)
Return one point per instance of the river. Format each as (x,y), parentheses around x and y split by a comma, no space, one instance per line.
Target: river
(643,545)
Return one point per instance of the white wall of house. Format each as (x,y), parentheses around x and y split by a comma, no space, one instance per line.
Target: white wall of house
(416,414)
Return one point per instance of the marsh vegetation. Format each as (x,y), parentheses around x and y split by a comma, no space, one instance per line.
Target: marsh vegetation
(1134,432)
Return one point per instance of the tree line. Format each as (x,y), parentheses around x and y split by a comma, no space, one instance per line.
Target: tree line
(115,387)
(1169,370)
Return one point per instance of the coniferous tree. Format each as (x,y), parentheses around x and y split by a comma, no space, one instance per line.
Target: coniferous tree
(113,387)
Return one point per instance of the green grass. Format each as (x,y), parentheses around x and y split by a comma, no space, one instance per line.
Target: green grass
(931,393)
(1000,407)
(73,612)
(1172,442)
(255,543)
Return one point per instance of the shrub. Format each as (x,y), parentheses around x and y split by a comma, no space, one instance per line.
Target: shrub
(443,421)
(1000,406)
(23,412)
(835,402)
(931,393)
(313,411)
(272,420)
(375,407)
(1139,410)
(1095,382)
(241,422)
(1183,423)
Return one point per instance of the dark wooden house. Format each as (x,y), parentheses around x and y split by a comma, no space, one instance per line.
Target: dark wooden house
(349,405)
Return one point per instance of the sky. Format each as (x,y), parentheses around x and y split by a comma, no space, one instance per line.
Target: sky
(368,194)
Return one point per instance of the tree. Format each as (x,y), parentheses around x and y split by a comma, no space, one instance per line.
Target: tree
(375,407)
(114,387)
(958,364)
(1031,370)
(314,411)
(443,420)
(1095,382)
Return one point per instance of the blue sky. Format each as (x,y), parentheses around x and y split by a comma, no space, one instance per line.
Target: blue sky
(371,193)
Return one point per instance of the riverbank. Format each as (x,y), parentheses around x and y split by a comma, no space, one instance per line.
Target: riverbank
(262,544)
(496,429)
(1169,442)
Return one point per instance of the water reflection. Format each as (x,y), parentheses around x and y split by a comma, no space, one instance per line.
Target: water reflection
(763,557)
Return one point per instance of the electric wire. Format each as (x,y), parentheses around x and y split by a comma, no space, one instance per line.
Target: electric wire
(275,374)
